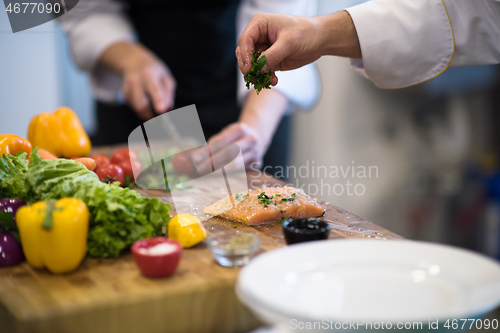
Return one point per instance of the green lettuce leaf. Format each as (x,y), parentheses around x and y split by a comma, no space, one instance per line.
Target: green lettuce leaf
(118,216)
(13,171)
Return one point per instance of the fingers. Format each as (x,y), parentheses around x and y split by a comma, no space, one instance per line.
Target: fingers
(276,53)
(200,154)
(219,153)
(136,97)
(266,32)
(155,89)
(217,146)
(182,164)
(243,67)
(230,134)
(201,160)
(246,143)
(250,149)
(150,87)
(193,161)
(274,79)
(241,135)
(161,87)
(243,53)
(255,31)
(169,86)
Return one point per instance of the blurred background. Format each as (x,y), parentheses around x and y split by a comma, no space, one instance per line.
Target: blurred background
(435,146)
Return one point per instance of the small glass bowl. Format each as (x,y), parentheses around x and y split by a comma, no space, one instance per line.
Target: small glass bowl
(232,249)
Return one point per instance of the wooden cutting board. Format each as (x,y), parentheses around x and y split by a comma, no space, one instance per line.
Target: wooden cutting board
(110,295)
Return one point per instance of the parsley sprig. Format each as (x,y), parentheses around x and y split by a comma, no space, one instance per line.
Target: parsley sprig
(265,199)
(255,76)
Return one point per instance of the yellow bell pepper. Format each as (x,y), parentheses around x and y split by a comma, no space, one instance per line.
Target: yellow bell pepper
(13,144)
(186,229)
(61,133)
(54,234)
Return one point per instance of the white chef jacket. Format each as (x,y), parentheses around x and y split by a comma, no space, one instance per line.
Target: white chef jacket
(406,42)
(93,25)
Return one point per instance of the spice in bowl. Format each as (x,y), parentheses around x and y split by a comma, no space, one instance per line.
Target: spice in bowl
(233,249)
(157,257)
(159,249)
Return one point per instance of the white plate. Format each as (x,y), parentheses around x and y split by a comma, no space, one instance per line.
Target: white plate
(355,280)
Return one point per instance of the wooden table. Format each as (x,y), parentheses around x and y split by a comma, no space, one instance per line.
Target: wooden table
(110,295)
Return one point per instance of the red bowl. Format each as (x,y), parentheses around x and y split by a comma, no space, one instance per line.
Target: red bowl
(156,265)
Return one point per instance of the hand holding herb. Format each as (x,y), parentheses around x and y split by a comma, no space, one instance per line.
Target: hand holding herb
(255,76)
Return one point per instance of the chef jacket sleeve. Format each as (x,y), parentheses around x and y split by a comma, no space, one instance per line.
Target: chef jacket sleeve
(300,86)
(406,42)
(91,27)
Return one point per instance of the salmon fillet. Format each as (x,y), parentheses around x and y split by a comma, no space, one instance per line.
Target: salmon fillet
(266,205)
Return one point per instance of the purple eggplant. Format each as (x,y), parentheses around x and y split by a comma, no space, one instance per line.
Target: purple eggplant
(11,206)
(11,252)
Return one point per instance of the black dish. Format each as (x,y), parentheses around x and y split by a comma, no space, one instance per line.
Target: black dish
(305,229)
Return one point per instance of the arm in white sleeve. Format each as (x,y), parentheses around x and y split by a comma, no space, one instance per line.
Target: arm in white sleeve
(300,86)
(476,27)
(406,42)
(91,27)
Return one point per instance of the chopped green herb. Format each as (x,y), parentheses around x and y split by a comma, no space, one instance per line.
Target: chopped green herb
(293,194)
(235,226)
(278,195)
(264,199)
(282,211)
(255,76)
(283,219)
(287,199)
(265,206)
(240,196)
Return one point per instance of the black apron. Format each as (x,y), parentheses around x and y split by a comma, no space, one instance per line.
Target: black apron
(196,39)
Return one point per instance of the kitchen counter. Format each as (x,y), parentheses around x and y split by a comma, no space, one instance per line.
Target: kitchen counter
(110,295)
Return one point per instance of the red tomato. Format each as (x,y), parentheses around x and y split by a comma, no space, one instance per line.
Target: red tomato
(123,155)
(100,161)
(128,168)
(110,173)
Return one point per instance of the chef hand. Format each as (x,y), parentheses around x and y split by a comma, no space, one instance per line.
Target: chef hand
(146,79)
(252,144)
(219,152)
(253,133)
(291,42)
